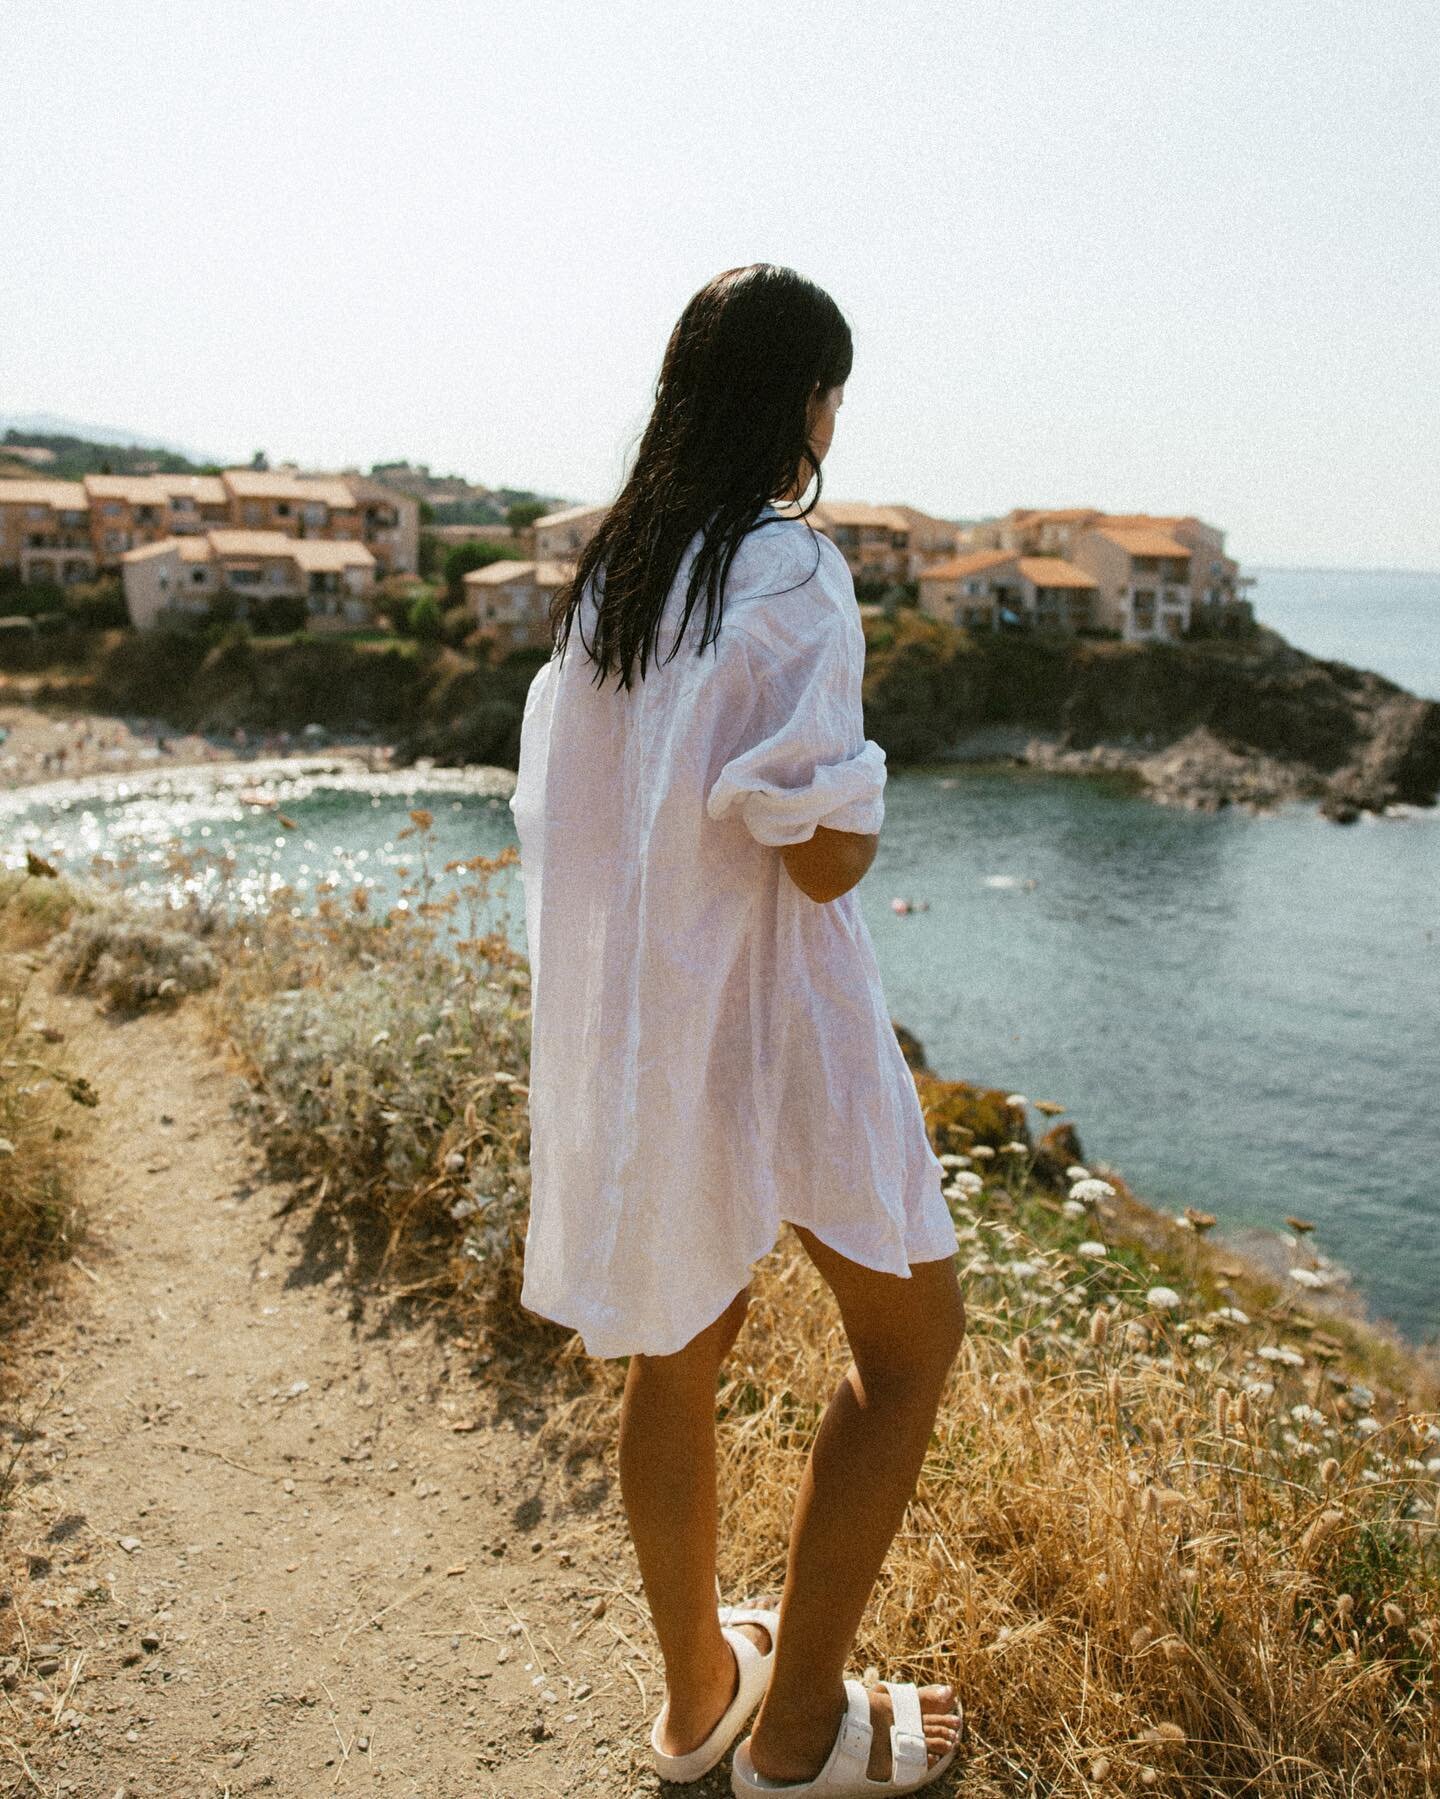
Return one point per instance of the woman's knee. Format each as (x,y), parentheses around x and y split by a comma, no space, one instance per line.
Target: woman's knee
(917,1338)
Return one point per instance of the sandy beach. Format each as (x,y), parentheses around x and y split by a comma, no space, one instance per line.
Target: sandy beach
(38,745)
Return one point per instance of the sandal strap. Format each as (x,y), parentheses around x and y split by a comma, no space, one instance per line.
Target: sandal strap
(850,1756)
(909,1756)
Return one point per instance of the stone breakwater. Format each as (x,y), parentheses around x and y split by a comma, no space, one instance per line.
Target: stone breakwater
(1397,763)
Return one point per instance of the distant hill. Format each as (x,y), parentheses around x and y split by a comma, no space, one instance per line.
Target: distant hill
(36,427)
(78,449)
(73,455)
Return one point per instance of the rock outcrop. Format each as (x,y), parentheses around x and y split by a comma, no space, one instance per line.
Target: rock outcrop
(1250,721)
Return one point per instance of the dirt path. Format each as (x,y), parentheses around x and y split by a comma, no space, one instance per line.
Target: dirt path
(259,1547)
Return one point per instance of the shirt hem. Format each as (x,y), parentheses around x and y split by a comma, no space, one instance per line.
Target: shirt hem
(928,1250)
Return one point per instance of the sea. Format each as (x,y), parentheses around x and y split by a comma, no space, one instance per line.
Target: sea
(1239,1013)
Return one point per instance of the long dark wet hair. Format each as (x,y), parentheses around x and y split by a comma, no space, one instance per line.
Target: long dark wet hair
(727,434)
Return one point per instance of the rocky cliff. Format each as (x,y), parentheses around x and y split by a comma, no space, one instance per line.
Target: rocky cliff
(1251,721)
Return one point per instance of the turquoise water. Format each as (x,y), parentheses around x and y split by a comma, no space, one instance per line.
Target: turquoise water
(1239,1013)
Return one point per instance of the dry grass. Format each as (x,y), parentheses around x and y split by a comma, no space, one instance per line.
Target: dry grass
(41,1101)
(1153,1558)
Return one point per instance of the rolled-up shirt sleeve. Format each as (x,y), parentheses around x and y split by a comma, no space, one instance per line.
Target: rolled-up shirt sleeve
(804,759)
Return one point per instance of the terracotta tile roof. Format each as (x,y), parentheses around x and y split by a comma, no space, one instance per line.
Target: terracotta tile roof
(570,515)
(1067,515)
(1129,520)
(64,496)
(858,513)
(1141,540)
(251,543)
(958,566)
(135,490)
(267,484)
(319,555)
(499,574)
(1052,571)
(204,490)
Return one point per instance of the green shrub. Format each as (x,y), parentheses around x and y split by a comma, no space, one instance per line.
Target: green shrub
(98,605)
(462,557)
(423,619)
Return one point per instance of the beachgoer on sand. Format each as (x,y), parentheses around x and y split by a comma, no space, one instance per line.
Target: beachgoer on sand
(712,1054)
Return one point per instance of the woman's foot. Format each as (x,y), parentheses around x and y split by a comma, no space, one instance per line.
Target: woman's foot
(801,1752)
(687,1726)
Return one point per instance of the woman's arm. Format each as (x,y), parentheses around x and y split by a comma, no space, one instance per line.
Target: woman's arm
(829,863)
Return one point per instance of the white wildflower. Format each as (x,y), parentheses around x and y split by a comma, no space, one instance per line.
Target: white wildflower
(954,1161)
(1017,1100)
(1232,1315)
(1272,1352)
(1306,1414)
(1090,1192)
(1077,1172)
(1163,1299)
(1311,1278)
(1367,1427)
(1024,1271)
(983,1150)
(968,1183)
(1091,1248)
(1360,1396)
(1014,1148)
(1072,1208)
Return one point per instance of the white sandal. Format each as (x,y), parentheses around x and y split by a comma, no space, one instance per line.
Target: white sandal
(844,1775)
(754,1666)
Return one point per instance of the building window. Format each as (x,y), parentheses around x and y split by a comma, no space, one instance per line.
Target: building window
(197,577)
(244,577)
(282,509)
(253,513)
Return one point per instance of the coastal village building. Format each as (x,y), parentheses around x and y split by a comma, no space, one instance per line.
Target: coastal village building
(1142,575)
(68,531)
(45,531)
(1140,599)
(884,543)
(985,589)
(183,576)
(561,536)
(512,601)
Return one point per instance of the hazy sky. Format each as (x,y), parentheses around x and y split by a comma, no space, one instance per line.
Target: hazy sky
(1130,253)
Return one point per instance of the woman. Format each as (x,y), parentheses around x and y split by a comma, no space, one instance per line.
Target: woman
(711,1051)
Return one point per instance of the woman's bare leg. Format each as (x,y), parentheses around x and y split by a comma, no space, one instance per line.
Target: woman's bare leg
(863,1466)
(667,1478)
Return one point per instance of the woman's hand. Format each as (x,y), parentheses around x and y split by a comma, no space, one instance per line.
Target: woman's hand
(829,863)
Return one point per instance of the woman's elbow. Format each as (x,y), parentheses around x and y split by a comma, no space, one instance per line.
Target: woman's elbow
(829,863)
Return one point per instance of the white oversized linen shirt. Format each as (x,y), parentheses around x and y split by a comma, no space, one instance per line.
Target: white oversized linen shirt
(711,1049)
